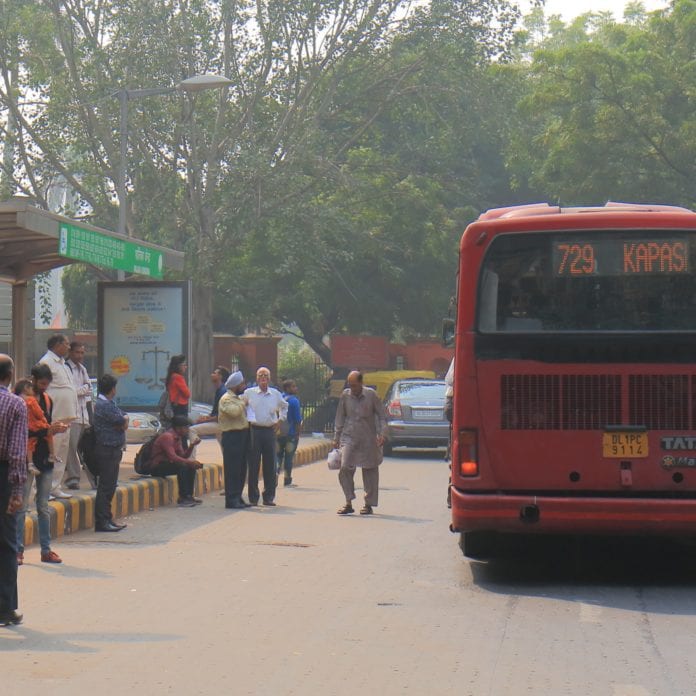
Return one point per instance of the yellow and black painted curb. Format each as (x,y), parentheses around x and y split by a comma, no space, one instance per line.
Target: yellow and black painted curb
(312,452)
(146,493)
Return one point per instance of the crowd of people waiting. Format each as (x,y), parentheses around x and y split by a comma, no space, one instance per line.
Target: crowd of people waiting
(43,417)
(258,427)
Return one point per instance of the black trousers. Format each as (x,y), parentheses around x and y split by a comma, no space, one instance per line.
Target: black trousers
(235,445)
(109,460)
(263,448)
(8,546)
(185,476)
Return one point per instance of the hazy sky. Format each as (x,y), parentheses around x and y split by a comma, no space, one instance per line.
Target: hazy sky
(572,8)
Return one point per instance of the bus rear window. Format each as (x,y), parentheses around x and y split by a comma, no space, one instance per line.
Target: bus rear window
(627,280)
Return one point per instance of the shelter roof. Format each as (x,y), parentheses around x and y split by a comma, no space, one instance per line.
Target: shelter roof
(29,241)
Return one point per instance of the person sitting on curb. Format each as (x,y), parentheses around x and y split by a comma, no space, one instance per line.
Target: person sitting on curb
(170,457)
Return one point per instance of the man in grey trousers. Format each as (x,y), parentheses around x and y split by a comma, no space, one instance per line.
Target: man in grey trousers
(361,426)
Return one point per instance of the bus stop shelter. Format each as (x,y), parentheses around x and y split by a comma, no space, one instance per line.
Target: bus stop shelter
(33,241)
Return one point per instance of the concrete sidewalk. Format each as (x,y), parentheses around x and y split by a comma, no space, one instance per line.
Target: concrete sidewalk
(135,493)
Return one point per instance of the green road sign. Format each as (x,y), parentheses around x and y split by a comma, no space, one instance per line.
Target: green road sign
(102,250)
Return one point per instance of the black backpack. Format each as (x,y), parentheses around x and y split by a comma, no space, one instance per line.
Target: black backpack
(87,449)
(143,457)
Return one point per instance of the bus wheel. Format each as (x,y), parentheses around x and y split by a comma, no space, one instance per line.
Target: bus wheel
(478,545)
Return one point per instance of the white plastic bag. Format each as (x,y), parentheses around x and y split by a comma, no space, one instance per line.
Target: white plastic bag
(334,459)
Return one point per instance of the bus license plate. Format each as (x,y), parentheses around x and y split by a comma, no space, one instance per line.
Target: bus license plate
(620,445)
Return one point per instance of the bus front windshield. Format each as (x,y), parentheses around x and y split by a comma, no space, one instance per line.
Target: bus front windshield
(610,280)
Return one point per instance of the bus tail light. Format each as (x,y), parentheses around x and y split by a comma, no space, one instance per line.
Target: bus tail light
(394,408)
(468,453)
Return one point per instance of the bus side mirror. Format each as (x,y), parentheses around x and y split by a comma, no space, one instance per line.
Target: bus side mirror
(448,333)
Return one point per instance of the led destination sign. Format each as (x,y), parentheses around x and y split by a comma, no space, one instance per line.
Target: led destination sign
(578,258)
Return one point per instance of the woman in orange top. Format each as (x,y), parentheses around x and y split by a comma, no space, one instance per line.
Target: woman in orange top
(179,393)
(36,419)
(41,431)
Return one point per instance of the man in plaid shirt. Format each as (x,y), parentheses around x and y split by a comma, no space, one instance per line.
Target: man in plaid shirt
(13,474)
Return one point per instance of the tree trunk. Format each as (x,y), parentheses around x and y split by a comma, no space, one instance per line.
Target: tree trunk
(8,151)
(201,358)
(314,341)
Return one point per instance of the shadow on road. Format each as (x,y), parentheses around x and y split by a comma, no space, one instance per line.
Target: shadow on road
(437,454)
(22,638)
(71,571)
(400,518)
(537,566)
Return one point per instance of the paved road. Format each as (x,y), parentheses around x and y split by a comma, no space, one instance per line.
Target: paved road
(297,600)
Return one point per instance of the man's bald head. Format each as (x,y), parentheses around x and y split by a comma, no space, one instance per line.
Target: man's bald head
(6,369)
(355,382)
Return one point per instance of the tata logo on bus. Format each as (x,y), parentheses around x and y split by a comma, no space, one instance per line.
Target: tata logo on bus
(679,443)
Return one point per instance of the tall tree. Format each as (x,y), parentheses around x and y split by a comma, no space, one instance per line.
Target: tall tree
(610,112)
(273,187)
(366,225)
(182,152)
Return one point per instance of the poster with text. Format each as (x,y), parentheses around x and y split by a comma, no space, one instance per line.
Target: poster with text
(141,326)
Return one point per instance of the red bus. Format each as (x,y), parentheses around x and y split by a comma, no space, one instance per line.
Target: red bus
(575,373)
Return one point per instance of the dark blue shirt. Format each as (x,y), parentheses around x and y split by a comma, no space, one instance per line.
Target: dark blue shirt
(221,391)
(108,423)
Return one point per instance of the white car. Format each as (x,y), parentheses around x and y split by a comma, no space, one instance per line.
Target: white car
(141,425)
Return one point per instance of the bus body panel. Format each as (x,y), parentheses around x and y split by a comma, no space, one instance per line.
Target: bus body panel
(549,451)
(565,515)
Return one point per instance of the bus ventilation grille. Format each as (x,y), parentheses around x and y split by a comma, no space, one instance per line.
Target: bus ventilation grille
(560,402)
(661,402)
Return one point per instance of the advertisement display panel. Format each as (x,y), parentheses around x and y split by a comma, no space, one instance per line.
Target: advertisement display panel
(141,326)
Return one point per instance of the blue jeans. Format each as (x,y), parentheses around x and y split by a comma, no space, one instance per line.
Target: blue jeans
(287,446)
(43,490)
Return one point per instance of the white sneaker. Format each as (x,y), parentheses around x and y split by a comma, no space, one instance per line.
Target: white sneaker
(61,494)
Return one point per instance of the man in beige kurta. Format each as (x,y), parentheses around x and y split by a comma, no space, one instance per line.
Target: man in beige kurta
(361,425)
(64,396)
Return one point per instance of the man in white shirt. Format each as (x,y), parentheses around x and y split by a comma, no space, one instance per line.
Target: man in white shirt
(64,396)
(266,407)
(83,387)
(449,413)
(449,391)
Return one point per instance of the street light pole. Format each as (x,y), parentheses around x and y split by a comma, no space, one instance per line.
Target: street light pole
(198,83)
(121,183)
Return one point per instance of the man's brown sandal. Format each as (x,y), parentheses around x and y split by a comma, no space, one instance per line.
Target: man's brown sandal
(367,510)
(345,510)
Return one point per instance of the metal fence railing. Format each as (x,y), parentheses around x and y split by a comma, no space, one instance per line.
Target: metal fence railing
(318,416)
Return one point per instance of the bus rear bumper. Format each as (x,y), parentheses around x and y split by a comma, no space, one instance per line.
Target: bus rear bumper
(576,515)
